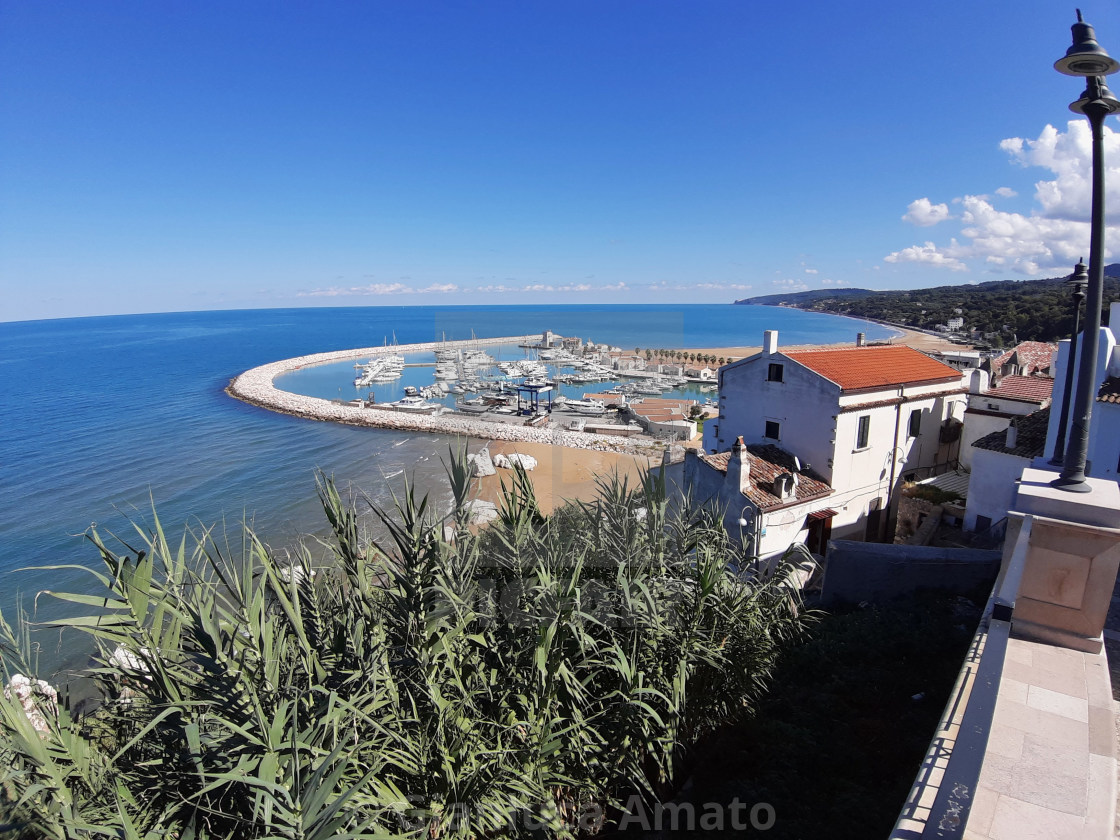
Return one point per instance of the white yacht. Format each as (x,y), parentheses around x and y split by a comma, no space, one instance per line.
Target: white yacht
(592,408)
(416,404)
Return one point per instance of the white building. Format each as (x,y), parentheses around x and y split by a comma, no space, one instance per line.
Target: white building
(862,419)
(998,459)
(767,498)
(1104,425)
(665,418)
(992,409)
(959,359)
(955,324)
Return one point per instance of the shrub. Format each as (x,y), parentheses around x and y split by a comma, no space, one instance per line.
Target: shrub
(523,679)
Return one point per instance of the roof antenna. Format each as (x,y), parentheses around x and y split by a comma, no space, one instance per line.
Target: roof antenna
(1079,20)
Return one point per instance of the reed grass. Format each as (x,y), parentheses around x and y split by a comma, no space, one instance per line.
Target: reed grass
(521,680)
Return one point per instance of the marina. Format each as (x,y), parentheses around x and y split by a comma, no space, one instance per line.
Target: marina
(474,387)
(510,410)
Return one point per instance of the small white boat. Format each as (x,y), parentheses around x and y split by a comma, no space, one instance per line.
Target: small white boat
(416,404)
(592,408)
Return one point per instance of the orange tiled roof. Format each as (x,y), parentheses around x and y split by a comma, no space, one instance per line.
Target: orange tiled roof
(855,368)
(1015,387)
(1033,356)
(767,463)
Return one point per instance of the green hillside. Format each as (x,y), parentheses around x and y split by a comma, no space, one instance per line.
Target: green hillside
(1023,310)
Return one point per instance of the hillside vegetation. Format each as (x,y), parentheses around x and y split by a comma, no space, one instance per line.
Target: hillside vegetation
(1023,310)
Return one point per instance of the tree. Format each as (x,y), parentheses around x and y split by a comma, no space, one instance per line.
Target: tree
(431,683)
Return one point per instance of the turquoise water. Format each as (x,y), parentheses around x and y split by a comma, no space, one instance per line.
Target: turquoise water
(335,380)
(102,417)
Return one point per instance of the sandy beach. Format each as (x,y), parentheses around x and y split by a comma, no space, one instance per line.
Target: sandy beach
(562,473)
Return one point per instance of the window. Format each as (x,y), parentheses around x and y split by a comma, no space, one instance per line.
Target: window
(915,422)
(773,430)
(774,374)
(863,434)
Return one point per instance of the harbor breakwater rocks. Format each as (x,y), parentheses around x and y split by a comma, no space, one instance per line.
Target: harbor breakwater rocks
(255,386)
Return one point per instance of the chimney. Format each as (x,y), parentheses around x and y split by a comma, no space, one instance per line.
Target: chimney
(861,339)
(785,485)
(739,467)
(769,342)
(977,381)
(1012,435)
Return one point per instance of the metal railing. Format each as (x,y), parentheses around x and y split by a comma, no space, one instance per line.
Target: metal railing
(942,796)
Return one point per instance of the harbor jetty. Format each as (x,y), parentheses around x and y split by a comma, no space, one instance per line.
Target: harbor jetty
(256,387)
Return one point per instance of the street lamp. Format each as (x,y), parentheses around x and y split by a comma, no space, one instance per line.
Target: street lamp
(1077,283)
(1087,58)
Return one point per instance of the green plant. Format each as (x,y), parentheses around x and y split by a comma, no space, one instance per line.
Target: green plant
(518,680)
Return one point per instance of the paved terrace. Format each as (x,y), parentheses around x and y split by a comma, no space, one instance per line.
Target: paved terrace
(1027,747)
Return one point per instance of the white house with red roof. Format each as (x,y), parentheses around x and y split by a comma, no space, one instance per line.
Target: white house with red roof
(664,417)
(992,409)
(861,419)
(768,499)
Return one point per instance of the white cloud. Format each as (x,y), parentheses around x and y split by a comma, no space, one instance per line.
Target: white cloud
(928,254)
(738,287)
(922,213)
(811,271)
(1055,234)
(790,285)
(380,289)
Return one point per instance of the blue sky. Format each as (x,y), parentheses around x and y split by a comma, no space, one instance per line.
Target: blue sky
(190,154)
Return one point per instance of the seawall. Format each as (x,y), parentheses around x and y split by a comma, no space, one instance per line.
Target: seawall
(255,386)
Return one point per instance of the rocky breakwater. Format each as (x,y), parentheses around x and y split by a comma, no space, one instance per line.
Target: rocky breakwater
(256,387)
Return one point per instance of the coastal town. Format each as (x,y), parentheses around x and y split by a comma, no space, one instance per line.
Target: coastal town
(527,421)
(924,411)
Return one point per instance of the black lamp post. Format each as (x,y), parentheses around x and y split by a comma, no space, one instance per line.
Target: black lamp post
(1077,283)
(1087,58)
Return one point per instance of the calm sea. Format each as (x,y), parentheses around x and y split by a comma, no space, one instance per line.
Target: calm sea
(102,418)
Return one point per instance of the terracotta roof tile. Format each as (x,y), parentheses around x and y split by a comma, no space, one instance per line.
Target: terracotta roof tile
(1110,390)
(855,368)
(1016,387)
(1032,356)
(1030,441)
(767,463)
